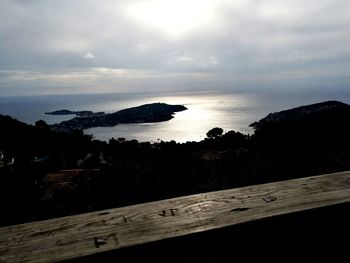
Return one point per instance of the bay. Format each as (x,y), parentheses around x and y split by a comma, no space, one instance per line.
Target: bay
(225,109)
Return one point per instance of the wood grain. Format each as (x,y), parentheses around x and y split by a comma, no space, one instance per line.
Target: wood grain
(86,234)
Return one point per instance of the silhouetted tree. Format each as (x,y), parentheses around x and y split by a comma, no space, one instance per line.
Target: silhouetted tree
(215,132)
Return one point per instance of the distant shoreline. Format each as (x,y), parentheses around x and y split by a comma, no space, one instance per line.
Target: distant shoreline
(229,110)
(77,113)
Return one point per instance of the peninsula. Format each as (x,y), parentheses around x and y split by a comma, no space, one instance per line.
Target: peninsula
(154,112)
(78,113)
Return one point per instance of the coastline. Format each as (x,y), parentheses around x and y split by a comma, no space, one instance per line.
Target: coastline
(228,110)
(62,173)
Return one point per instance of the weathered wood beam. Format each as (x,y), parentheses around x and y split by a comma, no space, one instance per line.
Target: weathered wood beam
(86,234)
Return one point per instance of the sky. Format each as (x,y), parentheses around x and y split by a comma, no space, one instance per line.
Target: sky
(91,46)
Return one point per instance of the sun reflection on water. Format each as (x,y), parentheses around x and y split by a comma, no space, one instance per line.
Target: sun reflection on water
(230,112)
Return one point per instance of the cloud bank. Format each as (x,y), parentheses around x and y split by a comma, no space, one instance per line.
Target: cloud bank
(63,46)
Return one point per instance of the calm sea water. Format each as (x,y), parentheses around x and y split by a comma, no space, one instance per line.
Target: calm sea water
(228,110)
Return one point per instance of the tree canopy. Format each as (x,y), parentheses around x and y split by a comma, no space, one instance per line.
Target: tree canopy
(215,132)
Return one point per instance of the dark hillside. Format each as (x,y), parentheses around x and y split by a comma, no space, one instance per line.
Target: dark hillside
(299,142)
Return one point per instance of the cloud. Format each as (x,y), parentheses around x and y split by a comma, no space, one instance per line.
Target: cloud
(89,56)
(239,40)
(213,60)
(175,18)
(101,80)
(185,59)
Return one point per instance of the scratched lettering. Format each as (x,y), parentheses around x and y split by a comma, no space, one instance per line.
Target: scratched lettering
(116,220)
(169,212)
(270,199)
(104,240)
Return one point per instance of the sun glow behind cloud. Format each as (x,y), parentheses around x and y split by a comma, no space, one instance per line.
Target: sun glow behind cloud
(174,17)
(172,44)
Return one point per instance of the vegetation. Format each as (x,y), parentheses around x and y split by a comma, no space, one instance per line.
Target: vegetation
(215,132)
(300,142)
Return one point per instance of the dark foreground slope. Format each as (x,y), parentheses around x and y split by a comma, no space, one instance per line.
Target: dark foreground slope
(300,142)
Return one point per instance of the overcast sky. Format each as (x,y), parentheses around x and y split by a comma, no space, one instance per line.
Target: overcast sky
(68,46)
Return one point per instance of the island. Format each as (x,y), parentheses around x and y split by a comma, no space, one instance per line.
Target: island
(78,113)
(154,112)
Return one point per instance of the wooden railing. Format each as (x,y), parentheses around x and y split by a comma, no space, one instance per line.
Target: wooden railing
(87,234)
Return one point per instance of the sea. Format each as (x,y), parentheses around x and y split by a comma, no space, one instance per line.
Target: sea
(228,110)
